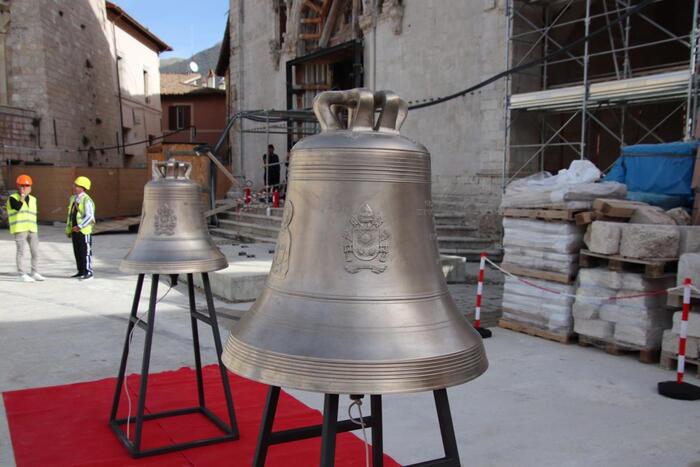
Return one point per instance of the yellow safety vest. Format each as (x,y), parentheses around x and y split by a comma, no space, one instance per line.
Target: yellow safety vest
(23,220)
(80,215)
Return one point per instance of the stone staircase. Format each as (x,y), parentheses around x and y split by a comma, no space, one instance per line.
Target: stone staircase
(253,225)
(456,237)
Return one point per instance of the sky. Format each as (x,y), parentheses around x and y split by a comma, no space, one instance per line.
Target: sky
(186,26)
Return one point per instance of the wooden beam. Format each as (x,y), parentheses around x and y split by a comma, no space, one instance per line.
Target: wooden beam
(325,6)
(222,208)
(223,168)
(316,20)
(329,25)
(313,6)
(310,36)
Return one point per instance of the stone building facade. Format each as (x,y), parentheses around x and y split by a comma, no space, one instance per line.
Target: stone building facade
(280,53)
(60,93)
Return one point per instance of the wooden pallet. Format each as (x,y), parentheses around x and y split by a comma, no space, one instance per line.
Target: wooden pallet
(566,215)
(559,277)
(669,361)
(586,217)
(115,225)
(619,208)
(511,325)
(675,299)
(645,355)
(651,268)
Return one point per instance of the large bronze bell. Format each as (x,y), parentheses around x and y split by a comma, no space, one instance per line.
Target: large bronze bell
(356,302)
(173,236)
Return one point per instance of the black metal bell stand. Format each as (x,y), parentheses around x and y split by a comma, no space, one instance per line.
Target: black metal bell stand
(134,447)
(331,427)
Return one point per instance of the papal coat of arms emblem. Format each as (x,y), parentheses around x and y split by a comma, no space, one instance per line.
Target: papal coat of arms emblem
(366,242)
(165,220)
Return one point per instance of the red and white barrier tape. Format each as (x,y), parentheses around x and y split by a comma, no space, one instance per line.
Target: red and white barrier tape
(686,287)
(584,298)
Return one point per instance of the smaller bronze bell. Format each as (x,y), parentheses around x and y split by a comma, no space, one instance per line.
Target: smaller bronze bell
(173,236)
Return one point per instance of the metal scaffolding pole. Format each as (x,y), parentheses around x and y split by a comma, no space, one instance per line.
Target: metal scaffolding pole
(536,28)
(506,97)
(690,111)
(586,90)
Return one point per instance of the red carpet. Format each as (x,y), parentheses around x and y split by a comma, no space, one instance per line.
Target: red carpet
(68,425)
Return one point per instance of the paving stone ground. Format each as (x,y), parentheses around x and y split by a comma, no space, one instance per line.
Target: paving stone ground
(540,403)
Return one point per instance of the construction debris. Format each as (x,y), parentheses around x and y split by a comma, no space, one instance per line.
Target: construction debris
(572,188)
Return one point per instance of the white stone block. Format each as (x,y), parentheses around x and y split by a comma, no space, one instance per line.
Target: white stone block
(651,215)
(693,323)
(649,338)
(680,215)
(640,317)
(669,344)
(649,241)
(689,266)
(689,239)
(604,237)
(584,311)
(595,328)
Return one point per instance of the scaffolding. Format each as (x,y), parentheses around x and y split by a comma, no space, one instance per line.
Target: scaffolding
(635,83)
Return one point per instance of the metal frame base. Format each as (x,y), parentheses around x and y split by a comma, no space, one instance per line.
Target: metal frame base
(134,446)
(331,427)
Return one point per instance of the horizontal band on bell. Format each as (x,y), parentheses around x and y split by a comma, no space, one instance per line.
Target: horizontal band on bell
(170,196)
(422,297)
(344,376)
(173,267)
(375,166)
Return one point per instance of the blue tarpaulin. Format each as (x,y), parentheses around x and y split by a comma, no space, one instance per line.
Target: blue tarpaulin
(658,169)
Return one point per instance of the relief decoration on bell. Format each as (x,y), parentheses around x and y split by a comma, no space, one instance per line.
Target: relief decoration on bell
(366,242)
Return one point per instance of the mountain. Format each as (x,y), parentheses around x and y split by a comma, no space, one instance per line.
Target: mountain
(206,59)
(170,61)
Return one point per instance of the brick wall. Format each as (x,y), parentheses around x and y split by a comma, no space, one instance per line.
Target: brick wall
(61,67)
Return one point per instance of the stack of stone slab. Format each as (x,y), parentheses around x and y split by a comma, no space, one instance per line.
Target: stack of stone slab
(638,241)
(637,322)
(536,249)
(640,321)
(688,267)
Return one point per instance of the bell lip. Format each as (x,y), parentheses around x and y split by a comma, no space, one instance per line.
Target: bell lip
(174,267)
(340,388)
(382,384)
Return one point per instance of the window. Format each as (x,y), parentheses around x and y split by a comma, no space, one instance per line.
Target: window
(145,87)
(178,117)
(282,25)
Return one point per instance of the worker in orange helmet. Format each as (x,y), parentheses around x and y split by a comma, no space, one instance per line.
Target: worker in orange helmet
(22,215)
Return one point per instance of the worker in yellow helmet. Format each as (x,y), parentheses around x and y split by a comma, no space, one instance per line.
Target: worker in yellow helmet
(22,214)
(81,217)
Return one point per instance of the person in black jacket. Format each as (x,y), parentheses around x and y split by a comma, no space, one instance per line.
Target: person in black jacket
(271,164)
